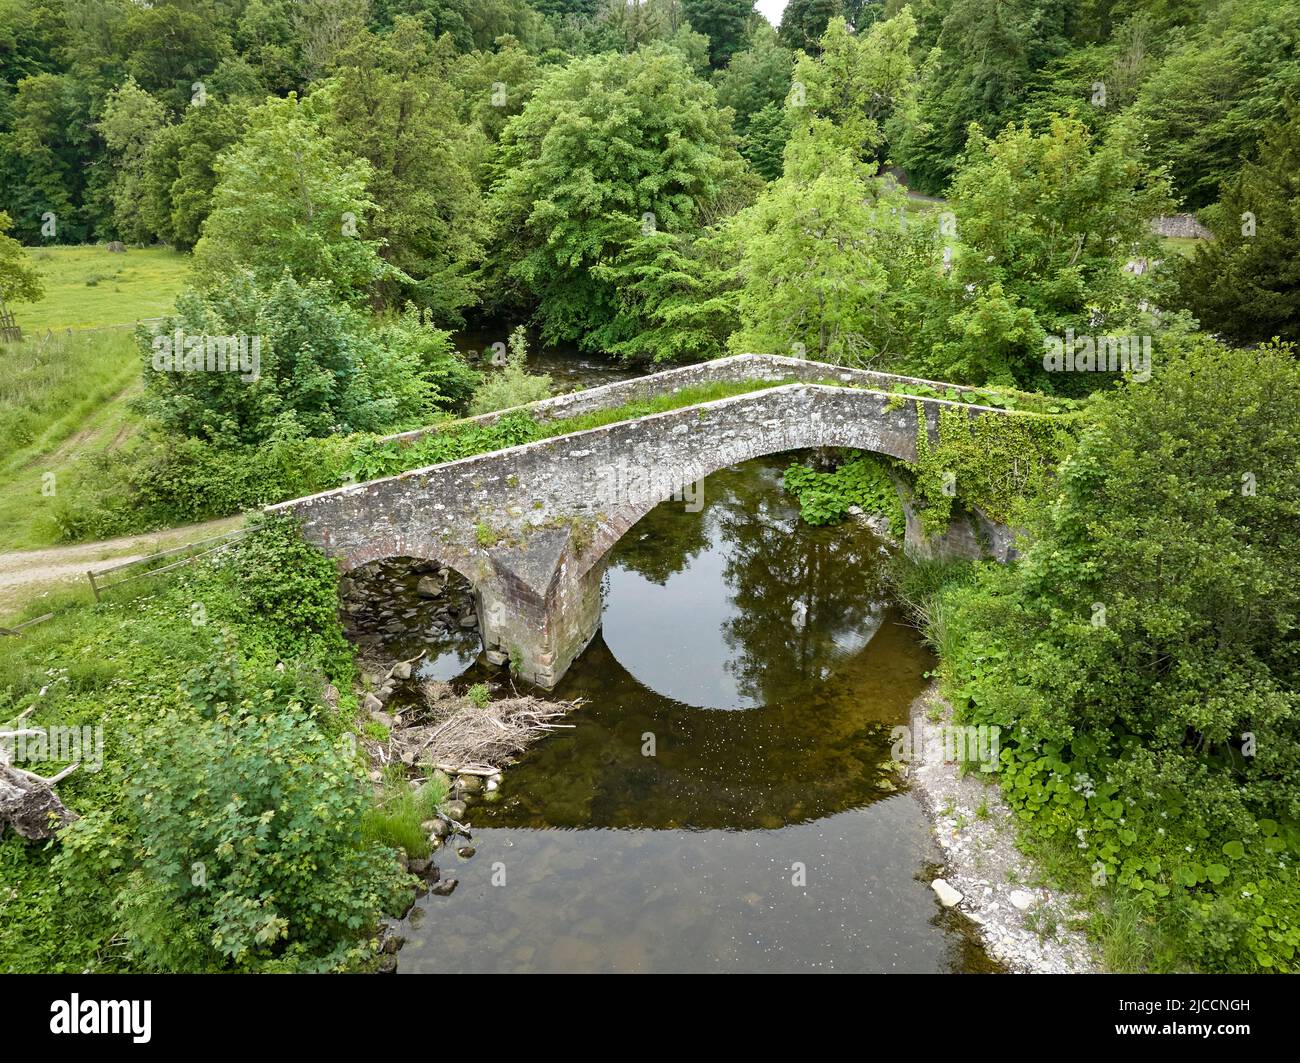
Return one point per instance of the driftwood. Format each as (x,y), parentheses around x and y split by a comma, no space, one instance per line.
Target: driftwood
(28,802)
(463,738)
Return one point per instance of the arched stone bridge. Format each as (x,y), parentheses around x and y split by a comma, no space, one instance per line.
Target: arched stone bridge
(530,526)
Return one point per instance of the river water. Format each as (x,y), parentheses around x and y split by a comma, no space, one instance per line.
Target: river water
(720,803)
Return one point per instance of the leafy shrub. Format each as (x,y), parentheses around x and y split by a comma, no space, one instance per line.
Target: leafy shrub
(250,855)
(322,368)
(514,385)
(1142,657)
(825,497)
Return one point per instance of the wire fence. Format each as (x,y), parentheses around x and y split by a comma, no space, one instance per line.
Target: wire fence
(99,585)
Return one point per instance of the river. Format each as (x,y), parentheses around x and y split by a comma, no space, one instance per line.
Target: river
(720,803)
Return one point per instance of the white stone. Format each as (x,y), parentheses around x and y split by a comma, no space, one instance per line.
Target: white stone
(1022,900)
(947,895)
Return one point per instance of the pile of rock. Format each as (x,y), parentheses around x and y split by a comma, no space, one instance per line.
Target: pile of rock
(400,603)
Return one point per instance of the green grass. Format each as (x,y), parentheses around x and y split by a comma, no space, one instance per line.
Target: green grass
(395,818)
(1180,245)
(91,287)
(62,398)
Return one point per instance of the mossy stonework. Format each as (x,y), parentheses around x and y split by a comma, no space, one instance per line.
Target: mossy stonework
(537,578)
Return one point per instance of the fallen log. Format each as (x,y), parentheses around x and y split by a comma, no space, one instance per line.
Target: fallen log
(28,802)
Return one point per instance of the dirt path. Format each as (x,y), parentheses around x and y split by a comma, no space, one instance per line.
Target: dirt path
(26,574)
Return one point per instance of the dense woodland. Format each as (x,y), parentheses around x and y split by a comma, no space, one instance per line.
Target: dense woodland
(671,181)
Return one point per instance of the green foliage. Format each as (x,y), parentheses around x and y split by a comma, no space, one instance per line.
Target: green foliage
(980,68)
(724,22)
(286,590)
(826,260)
(998,463)
(46,137)
(1045,224)
(223,831)
(674,299)
(285,176)
(393,107)
(131,120)
(825,497)
(756,77)
(20,280)
(763,144)
(1206,105)
(320,368)
(180,171)
(1141,658)
(606,146)
(803,22)
(1245,283)
(857,85)
(249,832)
(513,385)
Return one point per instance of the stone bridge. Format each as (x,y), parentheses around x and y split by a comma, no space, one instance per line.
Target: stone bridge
(530,526)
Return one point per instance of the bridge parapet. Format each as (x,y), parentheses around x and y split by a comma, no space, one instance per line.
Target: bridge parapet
(737,368)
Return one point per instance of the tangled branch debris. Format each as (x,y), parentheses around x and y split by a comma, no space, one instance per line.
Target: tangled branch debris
(463,737)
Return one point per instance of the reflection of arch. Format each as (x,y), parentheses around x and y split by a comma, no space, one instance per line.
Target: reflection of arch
(711,770)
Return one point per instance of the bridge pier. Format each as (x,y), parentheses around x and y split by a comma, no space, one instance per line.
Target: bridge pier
(539,636)
(537,610)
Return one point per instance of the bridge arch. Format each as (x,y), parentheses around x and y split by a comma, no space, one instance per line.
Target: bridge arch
(532,525)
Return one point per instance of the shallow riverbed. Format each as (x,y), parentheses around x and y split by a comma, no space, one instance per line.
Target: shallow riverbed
(720,803)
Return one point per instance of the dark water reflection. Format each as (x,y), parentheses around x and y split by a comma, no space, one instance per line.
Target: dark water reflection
(762,663)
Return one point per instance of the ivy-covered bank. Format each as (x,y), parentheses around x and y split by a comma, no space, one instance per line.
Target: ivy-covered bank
(1142,660)
(227,826)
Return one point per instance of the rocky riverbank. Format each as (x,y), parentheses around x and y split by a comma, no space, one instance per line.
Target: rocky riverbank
(1025,925)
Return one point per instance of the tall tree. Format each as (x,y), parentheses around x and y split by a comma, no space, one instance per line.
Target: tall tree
(1245,283)
(803,22)
(822,257)
(1045,224)
(724,22)
(180,170)
(986,54)
(605,141)
(858,84)
(1203,108)
(131,120)
(755,77)
(393,106)
(289,201)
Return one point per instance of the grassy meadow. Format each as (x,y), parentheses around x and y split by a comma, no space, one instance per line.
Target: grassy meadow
(63,397)
(91,287)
